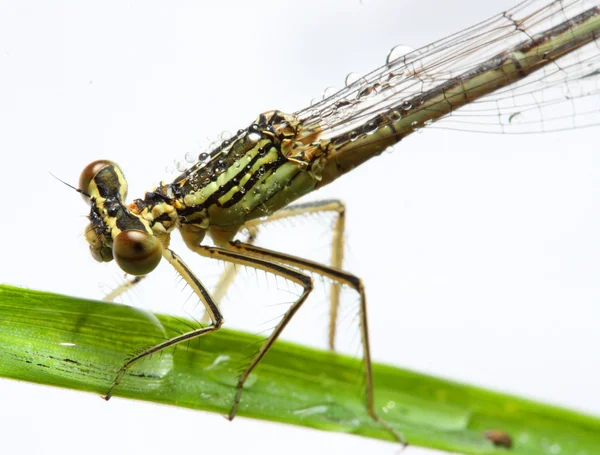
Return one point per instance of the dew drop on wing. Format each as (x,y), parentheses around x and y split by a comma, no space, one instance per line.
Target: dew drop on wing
(203,156)
(351,78)
(396,52)
(329,91)
(516,117)
(395,79)
(190,157)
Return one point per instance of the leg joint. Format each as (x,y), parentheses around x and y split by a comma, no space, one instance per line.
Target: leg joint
(218,321)
(307,283)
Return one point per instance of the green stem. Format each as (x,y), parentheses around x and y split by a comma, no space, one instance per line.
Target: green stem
(79,344)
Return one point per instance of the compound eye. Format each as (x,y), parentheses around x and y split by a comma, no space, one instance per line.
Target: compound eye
(100,252)
(88,174)
(137,252)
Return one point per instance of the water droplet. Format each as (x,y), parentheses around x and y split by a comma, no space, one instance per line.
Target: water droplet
(389,406)
(242,190)
(254,137)
(329,91)
(251,380)
(220,166)
(351,78)
(370,127)
(322,409)
(353,135)
(415,125)
(218,360)
(262,151)
(254,134)
(225,135)
(395,79)
(406,105)
(190,157)
(396,52)
(315,101)
(555,449)
(180,166)
(395,115)
(414,65)
(516,117)
(328,111)
(203,156)
(169,169)
(368,91)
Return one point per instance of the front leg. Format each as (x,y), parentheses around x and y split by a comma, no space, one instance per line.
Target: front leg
(211,308)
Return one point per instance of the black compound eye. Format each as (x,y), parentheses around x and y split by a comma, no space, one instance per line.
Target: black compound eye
(137,252)
(88,174)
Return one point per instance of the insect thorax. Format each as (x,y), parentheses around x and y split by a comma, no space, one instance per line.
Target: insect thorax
(258,171)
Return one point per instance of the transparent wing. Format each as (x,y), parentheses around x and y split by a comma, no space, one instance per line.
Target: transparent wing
(564,93)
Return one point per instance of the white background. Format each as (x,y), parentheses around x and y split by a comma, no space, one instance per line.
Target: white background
(479,248)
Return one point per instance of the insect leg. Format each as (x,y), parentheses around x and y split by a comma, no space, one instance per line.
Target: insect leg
(124,287)
(337,252)
(267,265)
(341,277)
(213,311)
(337,247)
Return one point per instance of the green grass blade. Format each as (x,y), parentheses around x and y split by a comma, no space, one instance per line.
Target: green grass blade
(69,342)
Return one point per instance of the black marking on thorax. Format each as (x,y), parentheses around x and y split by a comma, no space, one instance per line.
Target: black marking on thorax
(109,188)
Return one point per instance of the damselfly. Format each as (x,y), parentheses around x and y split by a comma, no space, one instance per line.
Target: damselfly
(533,68)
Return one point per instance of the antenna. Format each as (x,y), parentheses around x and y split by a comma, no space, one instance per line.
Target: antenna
(71,186)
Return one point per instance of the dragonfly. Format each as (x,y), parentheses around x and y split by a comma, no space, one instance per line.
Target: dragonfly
(532,68)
